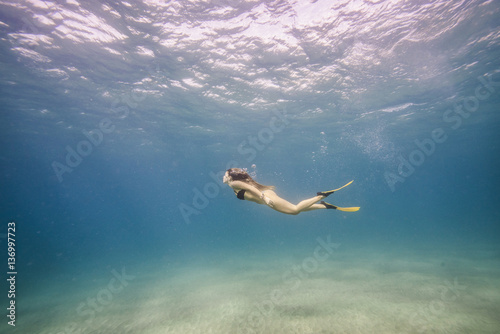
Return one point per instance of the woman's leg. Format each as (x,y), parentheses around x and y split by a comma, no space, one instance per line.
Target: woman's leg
(315,207)
(284,206)
(309,204)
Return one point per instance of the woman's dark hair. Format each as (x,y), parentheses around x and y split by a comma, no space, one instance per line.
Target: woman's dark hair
(238,174)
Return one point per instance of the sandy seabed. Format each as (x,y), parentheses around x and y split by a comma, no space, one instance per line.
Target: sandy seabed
(307,291)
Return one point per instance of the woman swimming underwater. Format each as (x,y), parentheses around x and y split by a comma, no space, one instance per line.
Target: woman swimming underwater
(246,188)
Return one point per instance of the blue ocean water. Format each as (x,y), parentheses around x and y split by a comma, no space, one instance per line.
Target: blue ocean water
(119,118)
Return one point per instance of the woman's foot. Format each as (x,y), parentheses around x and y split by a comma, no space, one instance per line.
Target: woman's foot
(325,193)
(328,193)
(328,205)
(331,206)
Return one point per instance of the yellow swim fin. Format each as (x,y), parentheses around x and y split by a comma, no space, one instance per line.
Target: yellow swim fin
(328,193)
(350,209)
(331,206)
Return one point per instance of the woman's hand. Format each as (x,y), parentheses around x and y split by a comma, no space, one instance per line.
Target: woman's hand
(267,200)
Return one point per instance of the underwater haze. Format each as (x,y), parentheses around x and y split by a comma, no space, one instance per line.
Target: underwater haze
(119,119)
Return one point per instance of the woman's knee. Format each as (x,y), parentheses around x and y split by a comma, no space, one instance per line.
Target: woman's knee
(293,211)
